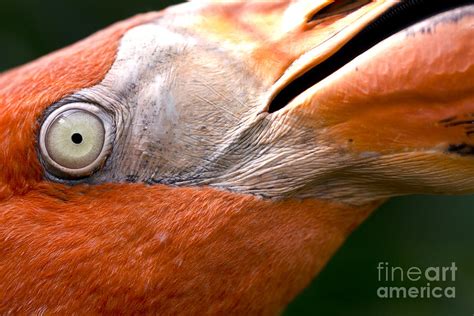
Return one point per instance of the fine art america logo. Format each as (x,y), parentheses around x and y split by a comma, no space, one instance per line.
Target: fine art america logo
(415,282)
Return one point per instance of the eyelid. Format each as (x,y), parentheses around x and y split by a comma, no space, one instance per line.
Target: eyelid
(55,169)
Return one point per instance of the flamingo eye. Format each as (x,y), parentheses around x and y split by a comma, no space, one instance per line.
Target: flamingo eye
(75,140)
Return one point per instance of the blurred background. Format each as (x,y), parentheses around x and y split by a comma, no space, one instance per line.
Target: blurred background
(410,231)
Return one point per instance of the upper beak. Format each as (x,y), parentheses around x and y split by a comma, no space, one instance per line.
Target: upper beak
(410,95)
(281,40)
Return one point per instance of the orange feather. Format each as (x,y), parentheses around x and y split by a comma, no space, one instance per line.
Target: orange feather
(154,249)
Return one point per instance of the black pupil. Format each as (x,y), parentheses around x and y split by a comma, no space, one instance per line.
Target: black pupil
(76,138)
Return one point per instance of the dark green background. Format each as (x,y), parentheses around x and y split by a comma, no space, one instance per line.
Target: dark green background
(408,231)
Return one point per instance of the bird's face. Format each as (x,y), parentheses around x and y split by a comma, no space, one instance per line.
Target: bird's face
(276,99)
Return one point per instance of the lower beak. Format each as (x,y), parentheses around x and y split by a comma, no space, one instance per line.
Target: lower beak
(414,91)
(409,97)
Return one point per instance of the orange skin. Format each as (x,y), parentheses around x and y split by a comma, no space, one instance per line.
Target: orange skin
(137,248)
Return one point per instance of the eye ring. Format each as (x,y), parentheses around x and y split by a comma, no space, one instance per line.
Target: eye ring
(99,129)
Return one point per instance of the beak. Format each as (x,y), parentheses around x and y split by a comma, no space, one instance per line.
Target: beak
(408,103)
(281,40)
(412,92)
(398,102)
